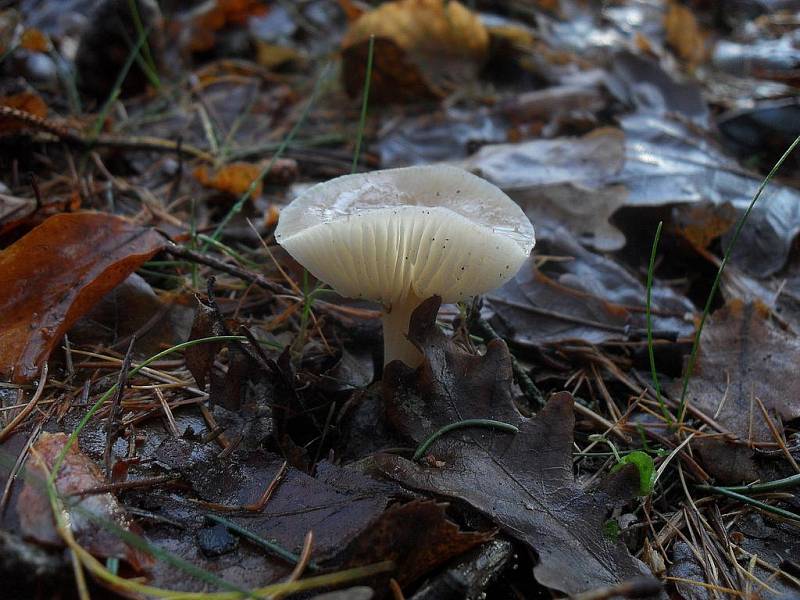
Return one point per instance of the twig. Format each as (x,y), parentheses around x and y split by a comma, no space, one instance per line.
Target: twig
(305,558)
(9,429)
(112,427)
(639,587)
(215,263)
(66,134)
(173,427)
(776,434)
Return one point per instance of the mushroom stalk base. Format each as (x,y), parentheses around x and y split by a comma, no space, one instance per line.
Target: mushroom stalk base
(395,333)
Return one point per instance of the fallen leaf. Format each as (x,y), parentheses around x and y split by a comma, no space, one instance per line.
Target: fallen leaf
(668,162)
(702,223)
(198,32)
(13,209)
(417,550)
(234,178)
(685,35)
(133,308)
(444,40)
(447,134)
(27,102)
(586,297)
(740,358)
(524,482)
(776,543)
(338,505)
(394,77)
(685,565)
(34,40)
(55,274)
(273,56)
(572,180)
(351,10)
(200,358)
(640,82)
(90,518)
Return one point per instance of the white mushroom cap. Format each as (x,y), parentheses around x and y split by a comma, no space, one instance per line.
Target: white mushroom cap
(411,232)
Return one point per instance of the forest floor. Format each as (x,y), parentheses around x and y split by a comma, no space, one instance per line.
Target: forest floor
(185,412)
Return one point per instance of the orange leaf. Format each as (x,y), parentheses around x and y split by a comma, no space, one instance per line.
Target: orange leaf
(216,15)
(29,102)
(55,274)
(234,178)
(34,40)
(351,11)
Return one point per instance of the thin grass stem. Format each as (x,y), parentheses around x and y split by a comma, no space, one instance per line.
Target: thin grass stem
(650,346)
(364,102)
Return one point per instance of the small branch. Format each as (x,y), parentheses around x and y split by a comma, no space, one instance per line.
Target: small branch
(72,136)
(219,265)
(9,429)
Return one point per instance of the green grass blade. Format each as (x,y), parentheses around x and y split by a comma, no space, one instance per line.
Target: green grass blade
(115,91)
(650,350)
(364,103)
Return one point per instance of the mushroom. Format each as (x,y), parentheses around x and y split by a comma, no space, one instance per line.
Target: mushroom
(399,236)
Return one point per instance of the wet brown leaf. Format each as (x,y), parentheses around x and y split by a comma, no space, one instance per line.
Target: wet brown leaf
(585,296)
(339,504)
(742,357)
(87,516)
(57,273)
(394,77)
(432,541)
(523,482)
(444,40)
(133,308)
(702,223)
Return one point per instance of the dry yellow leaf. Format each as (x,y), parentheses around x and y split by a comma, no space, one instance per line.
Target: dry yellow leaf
(684,34)
(445,41)
(273,56)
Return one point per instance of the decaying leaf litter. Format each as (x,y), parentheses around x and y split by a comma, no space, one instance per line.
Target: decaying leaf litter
(188,413)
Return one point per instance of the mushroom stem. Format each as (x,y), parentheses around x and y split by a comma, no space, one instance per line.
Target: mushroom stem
(396,345)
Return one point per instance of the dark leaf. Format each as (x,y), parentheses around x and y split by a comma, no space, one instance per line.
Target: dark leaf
(741,357)
(524,482)
(432,541)
(571,180)
(587,297)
